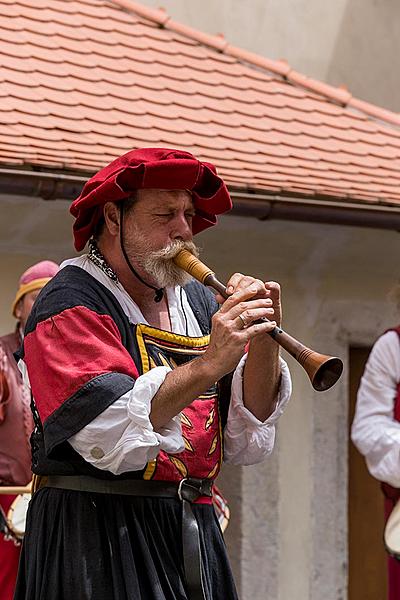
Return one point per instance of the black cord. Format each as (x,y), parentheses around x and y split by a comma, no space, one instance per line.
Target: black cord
(159,292)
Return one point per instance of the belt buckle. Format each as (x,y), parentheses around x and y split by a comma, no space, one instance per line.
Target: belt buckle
(190,489)
(182,481)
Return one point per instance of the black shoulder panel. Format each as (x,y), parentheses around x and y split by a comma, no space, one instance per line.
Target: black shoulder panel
(72,286)
(203,304)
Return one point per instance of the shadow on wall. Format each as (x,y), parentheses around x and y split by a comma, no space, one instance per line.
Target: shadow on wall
(365,53)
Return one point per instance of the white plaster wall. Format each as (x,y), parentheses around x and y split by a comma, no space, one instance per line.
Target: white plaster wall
(343,42)
(30,230)
(288,536)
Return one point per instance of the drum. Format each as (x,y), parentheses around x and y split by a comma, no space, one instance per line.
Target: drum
(221,508)
(392,532)
(16,517)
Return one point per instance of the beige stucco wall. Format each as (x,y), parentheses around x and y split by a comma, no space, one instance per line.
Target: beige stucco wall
(288,534)
(350,42)
(30,230)
(335,282)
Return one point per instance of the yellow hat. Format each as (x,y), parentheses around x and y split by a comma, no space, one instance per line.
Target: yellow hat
(34,278)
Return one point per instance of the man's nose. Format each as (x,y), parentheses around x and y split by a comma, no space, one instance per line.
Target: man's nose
(182,228)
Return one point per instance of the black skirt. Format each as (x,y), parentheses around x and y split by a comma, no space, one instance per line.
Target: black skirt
(91,546)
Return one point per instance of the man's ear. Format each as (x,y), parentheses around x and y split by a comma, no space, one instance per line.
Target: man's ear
(111,217)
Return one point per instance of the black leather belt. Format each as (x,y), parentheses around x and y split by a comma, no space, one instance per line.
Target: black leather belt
(187,491)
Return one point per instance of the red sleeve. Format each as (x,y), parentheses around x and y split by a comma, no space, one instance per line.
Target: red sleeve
(67,351)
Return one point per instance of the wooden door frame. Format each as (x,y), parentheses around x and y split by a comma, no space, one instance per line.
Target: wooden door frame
(367,576)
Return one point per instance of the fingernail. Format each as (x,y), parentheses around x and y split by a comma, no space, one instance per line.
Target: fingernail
(229,289)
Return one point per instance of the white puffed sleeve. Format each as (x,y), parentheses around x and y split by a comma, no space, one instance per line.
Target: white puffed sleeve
(374,430)
(247,440)
(122,437)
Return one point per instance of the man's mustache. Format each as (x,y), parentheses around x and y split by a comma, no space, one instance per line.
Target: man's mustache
(172,249)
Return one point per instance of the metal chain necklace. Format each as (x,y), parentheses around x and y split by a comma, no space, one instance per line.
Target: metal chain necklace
(98,259)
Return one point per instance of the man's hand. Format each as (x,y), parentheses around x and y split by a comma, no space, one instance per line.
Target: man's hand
(233,325)
(273,290)
(233,328)
(262,369)
(269,289)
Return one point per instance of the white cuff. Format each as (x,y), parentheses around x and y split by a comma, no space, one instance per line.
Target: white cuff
(168,438)
(122,437)
(247,440)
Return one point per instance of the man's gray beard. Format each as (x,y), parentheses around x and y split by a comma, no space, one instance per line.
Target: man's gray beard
(160,266)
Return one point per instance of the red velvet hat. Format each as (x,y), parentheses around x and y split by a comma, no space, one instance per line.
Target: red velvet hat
(157,168)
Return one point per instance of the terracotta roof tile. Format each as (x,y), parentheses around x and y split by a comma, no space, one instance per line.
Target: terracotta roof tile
(86,80)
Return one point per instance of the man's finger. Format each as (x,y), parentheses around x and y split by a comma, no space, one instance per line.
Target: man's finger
(259,328)
(240,295)
(247,317)
(233,282)
(273,288)
(247,307)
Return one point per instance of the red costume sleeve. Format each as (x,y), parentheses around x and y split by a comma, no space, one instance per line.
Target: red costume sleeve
(68,351)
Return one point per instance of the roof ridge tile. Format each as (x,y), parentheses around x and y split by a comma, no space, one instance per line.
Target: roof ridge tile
(279,67)
(158,15)
(339,95)
(375,111)
(213,41)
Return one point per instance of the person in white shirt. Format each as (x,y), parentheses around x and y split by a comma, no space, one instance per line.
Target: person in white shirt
(148,386)
(376,428)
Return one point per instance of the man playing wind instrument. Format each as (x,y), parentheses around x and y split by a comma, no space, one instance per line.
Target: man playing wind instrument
(148,385)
